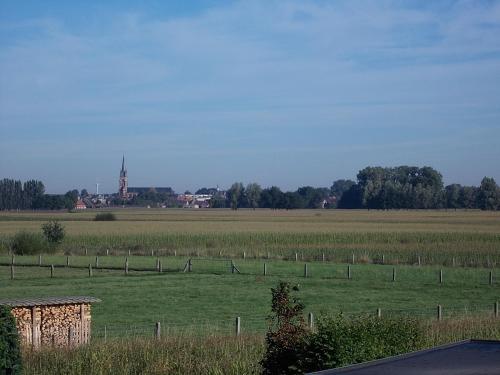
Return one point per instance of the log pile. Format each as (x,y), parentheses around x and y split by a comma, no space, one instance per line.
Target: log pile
(56,325)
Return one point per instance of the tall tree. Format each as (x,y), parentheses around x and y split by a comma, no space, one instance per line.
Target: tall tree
(253,191)
(235,195)
(488,197)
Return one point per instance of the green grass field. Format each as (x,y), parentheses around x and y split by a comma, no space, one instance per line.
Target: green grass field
(209,298)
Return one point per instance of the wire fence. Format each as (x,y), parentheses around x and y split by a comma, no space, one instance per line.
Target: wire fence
(236,325)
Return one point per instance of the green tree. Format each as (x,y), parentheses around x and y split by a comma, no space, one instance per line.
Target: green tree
(488,197)
(53,232)
(235,195)
(253,191)
(286,335)
(10,353)
(339,187)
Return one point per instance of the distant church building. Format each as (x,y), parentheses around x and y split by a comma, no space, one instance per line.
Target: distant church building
(123,183)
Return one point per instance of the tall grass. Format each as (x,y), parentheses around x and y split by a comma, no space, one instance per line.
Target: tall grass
(208,355)
(171,355)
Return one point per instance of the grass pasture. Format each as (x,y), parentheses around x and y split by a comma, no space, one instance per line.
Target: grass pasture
(209,298)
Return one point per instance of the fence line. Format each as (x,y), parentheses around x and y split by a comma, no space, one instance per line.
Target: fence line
(201,265)
(236,325)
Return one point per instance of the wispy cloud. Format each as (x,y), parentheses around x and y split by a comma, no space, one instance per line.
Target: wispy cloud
(296,72)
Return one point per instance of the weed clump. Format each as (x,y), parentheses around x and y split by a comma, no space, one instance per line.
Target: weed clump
(105,216)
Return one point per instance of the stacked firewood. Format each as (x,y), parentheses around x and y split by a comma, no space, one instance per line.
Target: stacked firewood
(56,322)
(23,322)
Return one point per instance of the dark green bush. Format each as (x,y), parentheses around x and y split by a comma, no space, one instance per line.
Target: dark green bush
(10,354)
(105,216)
(340,341)
(27,243)
(286,335)
(53,232)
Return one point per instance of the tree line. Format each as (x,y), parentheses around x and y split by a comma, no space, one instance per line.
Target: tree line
(402,187)
(30,195)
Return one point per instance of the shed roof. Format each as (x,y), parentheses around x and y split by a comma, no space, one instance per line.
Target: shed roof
(469,357)
(44,301)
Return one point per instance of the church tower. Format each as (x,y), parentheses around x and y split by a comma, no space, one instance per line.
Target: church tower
(123,183)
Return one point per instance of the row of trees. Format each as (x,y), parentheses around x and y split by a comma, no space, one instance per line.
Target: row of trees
(401,187)
(416,188)
(15,195)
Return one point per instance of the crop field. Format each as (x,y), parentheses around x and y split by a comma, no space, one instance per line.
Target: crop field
(469,238)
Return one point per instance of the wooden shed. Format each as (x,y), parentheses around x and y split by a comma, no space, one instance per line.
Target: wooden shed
(55,321)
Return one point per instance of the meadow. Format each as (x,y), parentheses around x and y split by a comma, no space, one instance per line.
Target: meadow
(197,309)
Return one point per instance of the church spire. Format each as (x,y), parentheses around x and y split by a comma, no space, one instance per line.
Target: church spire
(123,163)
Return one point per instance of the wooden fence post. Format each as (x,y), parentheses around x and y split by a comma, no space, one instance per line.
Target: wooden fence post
(393,274)
(67,261)
(86,252)
(51,271)
(40,260)
(491,277)
(160,268)
(323,257)
(352,258)
(268,255)
(128,252)
(439,312)
(90,270)
(70,336)
(12,271)
(157,264)
(310,320)
(379,312)
(107,252)
(383,258)
(265,269)
(238,326)
(13,259)
(244,255)
(157,330)
(305,270)
(96,261)
(349,272)
(440,276)
(296,257)
(105,334)
(152,253)
(495,309)
(419,261)
(126,266)
(453,262)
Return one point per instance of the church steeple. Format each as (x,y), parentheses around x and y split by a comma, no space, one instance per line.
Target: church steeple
(123,183)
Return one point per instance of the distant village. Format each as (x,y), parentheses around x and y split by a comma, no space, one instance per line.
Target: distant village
(161,197)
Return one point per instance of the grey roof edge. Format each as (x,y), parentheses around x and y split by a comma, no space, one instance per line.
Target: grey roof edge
(349,368)
(47,301)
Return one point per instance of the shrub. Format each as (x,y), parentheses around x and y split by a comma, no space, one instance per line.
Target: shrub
(287,332)
(27,243)
(53,232)
(105,216)
(10,354)
(340,341)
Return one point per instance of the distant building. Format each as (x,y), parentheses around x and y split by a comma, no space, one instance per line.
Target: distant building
(80,205)
(123,182)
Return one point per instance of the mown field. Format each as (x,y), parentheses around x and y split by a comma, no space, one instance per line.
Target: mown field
(471,237)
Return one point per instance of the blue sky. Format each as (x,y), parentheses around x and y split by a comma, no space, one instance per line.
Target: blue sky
(285,93)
